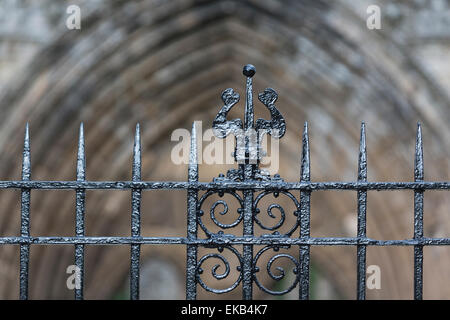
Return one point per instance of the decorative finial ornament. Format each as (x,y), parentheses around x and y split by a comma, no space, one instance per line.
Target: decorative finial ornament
(249,132)
(249,70)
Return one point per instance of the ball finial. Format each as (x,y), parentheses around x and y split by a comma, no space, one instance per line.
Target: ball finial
(249,70)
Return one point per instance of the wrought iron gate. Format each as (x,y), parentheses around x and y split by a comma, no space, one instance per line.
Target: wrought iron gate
(248,184)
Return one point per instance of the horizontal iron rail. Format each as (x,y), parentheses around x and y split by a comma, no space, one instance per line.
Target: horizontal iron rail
(223,241)
(232,185)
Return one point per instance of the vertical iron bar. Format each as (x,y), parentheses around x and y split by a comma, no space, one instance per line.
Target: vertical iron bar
(247,270)
(362,207)
(135,217)
(25,216)
(80,211)
(248,172)
(305,198)
(192,198)
(418,216)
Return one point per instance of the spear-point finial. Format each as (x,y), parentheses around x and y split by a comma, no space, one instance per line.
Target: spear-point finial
(136,169)
(305,174)
(26,158)
(81,157)
(362,160)
(193,156)
(418,163)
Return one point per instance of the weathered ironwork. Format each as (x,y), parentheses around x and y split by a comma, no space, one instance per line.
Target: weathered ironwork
(248,185)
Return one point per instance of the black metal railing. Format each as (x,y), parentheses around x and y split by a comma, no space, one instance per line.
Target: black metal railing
(248,185)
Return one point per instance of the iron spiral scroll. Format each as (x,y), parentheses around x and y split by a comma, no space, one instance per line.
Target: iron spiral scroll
(248,154)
